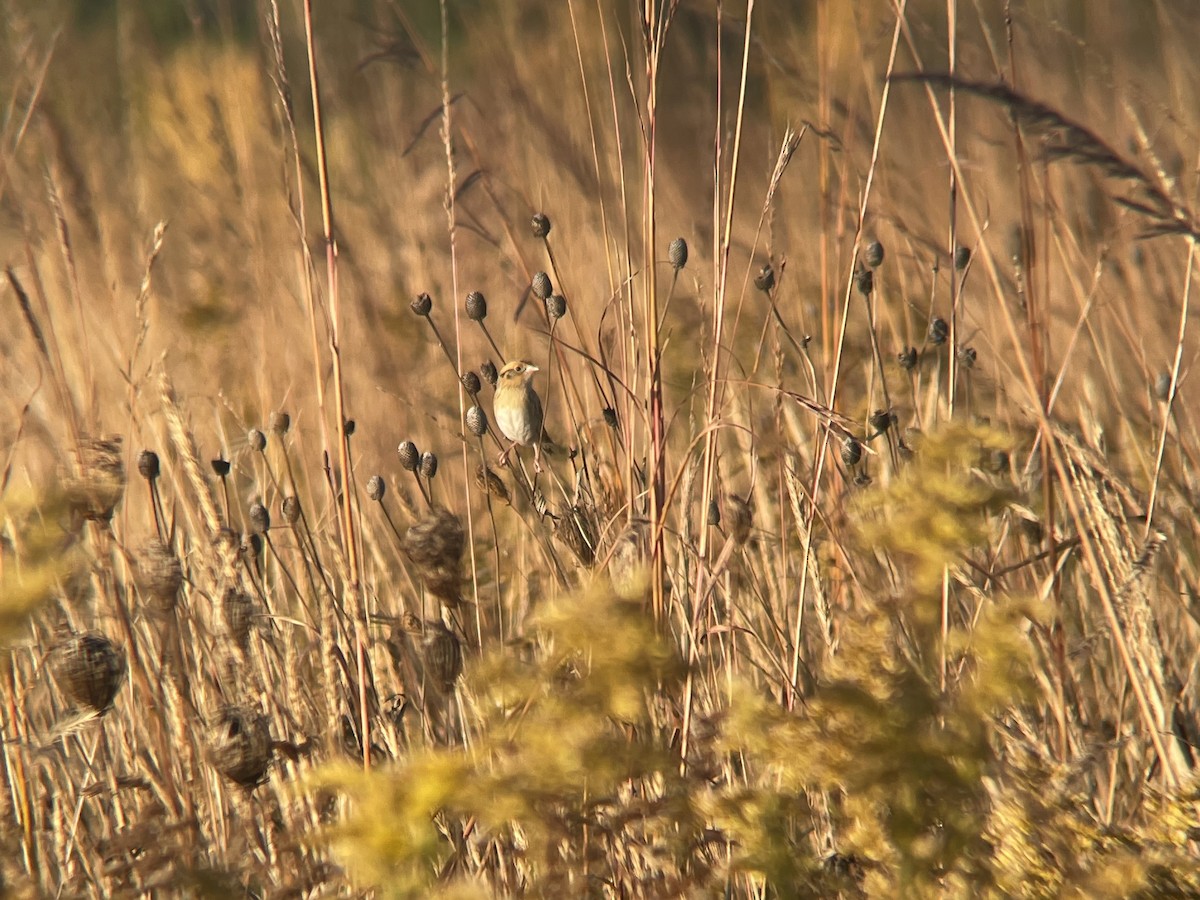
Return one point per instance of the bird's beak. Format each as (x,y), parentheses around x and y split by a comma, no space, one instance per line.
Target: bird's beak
(532,368)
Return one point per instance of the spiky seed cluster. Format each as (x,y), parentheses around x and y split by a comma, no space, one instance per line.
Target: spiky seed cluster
(540,224)
(851,452)
(471,383)
(429,465)
(442,651)
(489,373)
(376,488)
(251,547)
(220,466)
(881,420)
(740,517)
(147,465)
(938,331)
(962,256)
(159,574)
(714,513)
(280,422)
(260,518)
(349,427)
(765,279)
(434,545)
(477,421)
(873,254)
(908,358)
(476,306)
(1162,386)
(291,509)
(237,609)
(967,356)
(422,304)
(556,306)
(256,439)
(490,483)
(96,489)
(90,669)
(677,253)
(864,281)
(541,286)
(410,457)
(239,745)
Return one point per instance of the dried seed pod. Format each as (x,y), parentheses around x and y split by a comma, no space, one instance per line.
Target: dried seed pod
(873,254)
(260,518)
(471,383)
(540,224)
(442,651)
(851,452)
(477,421)
(541,286)
(864,281)
(962,256)
(476,306)
(90,669)
(252,544)
(349,427)
(765,279)
(422,304)
(740,516)
(220,466)
(881,420)
(577,529)
(158,573)
(410,457)
(256,439)
(489,482)
(376,488)
(714,513)
(434,545)
(94,491)
(967,357)
(610,417)
(280,422)
(147,465)
(556,306)
(489,373)
(908,358)
(237,609)
(677,253)
(429,465)
(290,509)
(1162,386)
(938,331)
(239,745)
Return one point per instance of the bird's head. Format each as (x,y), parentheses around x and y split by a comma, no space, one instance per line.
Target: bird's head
(517,372)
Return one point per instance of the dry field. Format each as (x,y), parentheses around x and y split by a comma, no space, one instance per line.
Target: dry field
(866,564)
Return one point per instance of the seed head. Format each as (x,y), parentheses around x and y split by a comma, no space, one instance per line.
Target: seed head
(260,518)
(434,545)
(962,256)
(765,279)
(556,306)
(477,421)
(471,383)
(422,304)
(1162,386)
(90,669)
(291,509)
(349,426)
(908,358)
(489,373)
(610,417)
(714,513)
(677,253)
(864,280)
(256,439)
(851,452)
(238,611)
(540,225)
(147,465)
(476,306)
(967,357)
(251,545)
(96,487)
(429,465)
(938,331)
(542,288)
(239,745)
(280,423)
(873,254)
(881,420)
(410,457)
(376,488)
(220,466)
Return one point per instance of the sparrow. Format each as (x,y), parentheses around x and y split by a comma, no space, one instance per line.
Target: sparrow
(518,410)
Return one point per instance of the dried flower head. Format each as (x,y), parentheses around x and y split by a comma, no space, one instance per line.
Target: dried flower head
(220,466)
(851,452)
(434,545)
(90,669)
(95,488)
(256,439)
(873,254)
(476,306)
(237,610)
(541,286)
(376,488)
(938,331)
(556,306)
(489,372)
(429,465)
(259,518)
(410,457)
(677,253)
(471,383)
(864,281)
(1162,386)
(908,358)
(962,256)
(540,224)
(422,304)
(291,509)
(239,745)
(280,422)
(147,465)
(477,421)
(765,279)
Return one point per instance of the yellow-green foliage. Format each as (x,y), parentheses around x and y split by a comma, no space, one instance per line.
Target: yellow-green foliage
(36,556)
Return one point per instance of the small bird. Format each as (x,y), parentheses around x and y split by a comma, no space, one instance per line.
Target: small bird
(518,409)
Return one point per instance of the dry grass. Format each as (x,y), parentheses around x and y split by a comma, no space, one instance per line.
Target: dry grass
(862,576)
